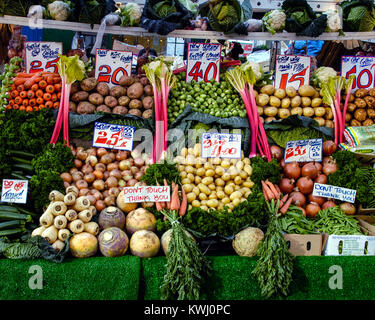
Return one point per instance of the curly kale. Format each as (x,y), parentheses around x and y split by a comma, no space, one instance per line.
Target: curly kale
(263,170)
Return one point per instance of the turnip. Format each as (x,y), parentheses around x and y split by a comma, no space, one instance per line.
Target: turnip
(166,238)
(144,244)
(111,217)
(140,219)
(113,242)
(83,245)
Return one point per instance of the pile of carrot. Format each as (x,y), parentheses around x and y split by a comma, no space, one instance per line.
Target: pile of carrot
(35,91)
(175,204)
(272,192)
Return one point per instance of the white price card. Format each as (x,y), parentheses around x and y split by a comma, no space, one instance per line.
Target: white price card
(338,193)
(203,62)
(146,194)
(42,56)
(304,150)
(363,68)
(221,145)
(292,71)
(113,136)
(14,191)
(111,65)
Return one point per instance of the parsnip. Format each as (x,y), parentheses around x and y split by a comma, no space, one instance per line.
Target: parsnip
(50,234)
(60,222)
(56,196)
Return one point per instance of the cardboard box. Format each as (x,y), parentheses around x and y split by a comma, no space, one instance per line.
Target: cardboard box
(362,210)
(350,245)
(304,244)
(121,46)
(367,224)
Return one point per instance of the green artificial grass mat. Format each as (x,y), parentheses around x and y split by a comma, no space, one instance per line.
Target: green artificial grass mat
(93,278)
(232,278)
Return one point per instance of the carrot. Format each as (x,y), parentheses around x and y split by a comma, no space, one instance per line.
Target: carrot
(283,200)
(38,79)
(54,97)
(47,96)
(24,75)
(39,93)
(20,88)
(57,87)
(32,102)
(23,94)
(29,109)
(49,80)
(56,105)
(43,84)
(175,200)
(34,87)
(286,206)
(35,108)
(18,100)
(25,102)
(42,106)
(268,191)
(59,95)
(273,189)
(30,94)
(22,108)
(11,103)
(19,81)
(183,206)
(158,206)
(14,93)
(13,87)
(49,104)
(39,100)
(50,89)
(16,106)
(8,107)
(168,203)
(264,193)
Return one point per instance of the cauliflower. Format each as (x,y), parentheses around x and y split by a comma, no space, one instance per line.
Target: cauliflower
(334,23)
(274,21)
(246,242)
(130,14)
(255,67)
(321,75)
(59,10)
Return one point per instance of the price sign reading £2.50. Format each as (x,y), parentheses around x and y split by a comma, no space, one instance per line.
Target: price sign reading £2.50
(203,62)
(363,68)
(111,65)
(292,71)
(304,150)
(14,191)
(42,56)
(221,145)
(113,136)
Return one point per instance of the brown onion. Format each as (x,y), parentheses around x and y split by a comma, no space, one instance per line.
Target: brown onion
(87,169)
(82,155)
(125,165)
(114,192)
(92,160)
(286,185)
(97,194)
(99,205)
(298,198)
(78,163)
(321,178)
(106,159)
(99,185)
(134,169)
(110,201)
(100,167)
(112,166)
(328,204)
(105,193)
(111,182)
(89,178)
(106,175)
(282,163)
(327,160)
(305,185)
(312,209)
(72,170)
(81,184)
(316,199)
(292,170)
(139,162)
(92,199)
(101,152)
(329,147)
(83,192)
(121,155)
(98,174)
(66,184)
(112,155)
(276,152)
(138,175)
(348,208)
(66,177)
(310,170)
(329,168)
(319,166)
(77,176)
(131,183)
(91,152)
(115,173)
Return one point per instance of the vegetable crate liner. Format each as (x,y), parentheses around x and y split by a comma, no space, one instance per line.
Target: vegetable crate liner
(304,244)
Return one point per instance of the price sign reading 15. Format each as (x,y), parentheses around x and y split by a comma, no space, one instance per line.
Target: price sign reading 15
(293,71)
(203,62)
(113,136)
(111,65)
(221,145)
(363,68)
(42,56)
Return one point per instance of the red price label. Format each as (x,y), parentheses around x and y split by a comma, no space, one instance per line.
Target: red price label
(304,150)
(221,145)
(42,56)
(292,71)
(113,136)
(363,68)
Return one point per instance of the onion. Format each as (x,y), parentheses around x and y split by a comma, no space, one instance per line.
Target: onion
(348,208)
(121,183)
(99,205)
(91,152)
(98,174)
(139,162)
(327,160)
(66,177)
(286,185)
(112,166)
(312,209)
(110,201)
(111,182)
(87,169)
(329,147)
(106,175)
(328,204)
(292,170)
(319,166)
(97,194)
(78,175)
(81,184)
(101,152)
(92,199)
(98,185)
(72,170)
(106,159)
(112,155)
(276,152)
(310,170)
(82,155)
(66,184)
(131,183)
(115,173)
(303,211)
(92,160)
(121,155)
(77,163)
(114,192)
(134,169)
(329,168)
(89,178)
(127,175)
(125,165)
(105,193)
(83,192)
(282,163)
(321,178)
(136,154)
(298,198)
(138,175)
(100,167)
(305,185)
(317,200)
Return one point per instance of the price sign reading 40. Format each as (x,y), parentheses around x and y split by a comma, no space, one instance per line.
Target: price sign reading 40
(113,136)
(203,62)
(111,65)
(221,145)
(363,68)
(42,56)
(292,71)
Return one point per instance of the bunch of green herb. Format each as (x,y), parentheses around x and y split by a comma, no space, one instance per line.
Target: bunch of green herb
(275,264)
(335,221)
(187,267)
(157,172)
(263,170)
(293,222)
(369,176)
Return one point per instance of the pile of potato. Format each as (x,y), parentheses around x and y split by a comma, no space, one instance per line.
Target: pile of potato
(133,95)
(214,183)
(361,108)
(275,104)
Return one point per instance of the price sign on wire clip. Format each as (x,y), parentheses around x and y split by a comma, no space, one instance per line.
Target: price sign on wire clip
(111,65)
(292,71)
(221,145)
(113,136)
(14,191)
(42,56)
(203,62)
(363,68)
(147,194)
(304,150)
(338,193)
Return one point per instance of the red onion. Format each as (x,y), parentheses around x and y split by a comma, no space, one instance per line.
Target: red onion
(328,204)
(318,200)
(321,178)
(276,152)
(298,198)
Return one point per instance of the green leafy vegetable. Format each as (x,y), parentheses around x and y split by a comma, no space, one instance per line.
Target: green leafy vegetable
(358,15)
(263,170)
(157,172)
(293,222)
(164,8)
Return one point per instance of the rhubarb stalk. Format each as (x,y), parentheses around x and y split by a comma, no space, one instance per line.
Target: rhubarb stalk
(348,88)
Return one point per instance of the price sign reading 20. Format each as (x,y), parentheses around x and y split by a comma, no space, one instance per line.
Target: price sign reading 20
(111,65)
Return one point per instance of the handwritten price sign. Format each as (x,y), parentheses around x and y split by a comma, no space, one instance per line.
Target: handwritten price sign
(42,56)
(304,150)
(221,145)
(362,67)
(146,194)
(113,136)
(292,71)
(14,191)
(111,65)
(327,191)
(203,62)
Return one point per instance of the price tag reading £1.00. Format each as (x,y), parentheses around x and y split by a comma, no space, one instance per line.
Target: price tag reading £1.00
(14,191)
(42,56)
(221,145)
(293,71)
(304,150)
(113,136)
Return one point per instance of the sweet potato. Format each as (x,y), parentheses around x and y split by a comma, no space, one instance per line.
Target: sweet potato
(135,104)
(126,81)
(103,89)
(103,108)
(124,101)
(148,102)
(72,107)
(89,84)
(144,81)
(135,112)
(80,96)
(147,114)
(135,91)
(120,110)
(96,99)
(148,90)
(85,108)
(110,101)
(117,91)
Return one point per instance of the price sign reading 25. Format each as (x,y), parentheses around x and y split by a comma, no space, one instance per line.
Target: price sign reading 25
(203,62)
(113,136)
(111,65)
(42,56)
(292,71)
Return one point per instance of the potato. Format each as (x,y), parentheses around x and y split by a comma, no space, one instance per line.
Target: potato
(296,110)
(103,108)
(135,91)
(207,180)
(72,107)
(306,91)
(360,115)
(123,101)
(291,92)
(147,114)
(283,113)
(103,89)
(203,188)
(269,119)
(148,90)
(260,110)
(370,101)
(120,110)
(126,81)
(348,117)
(361,93)
(321,121)
(367,122)
(316,94)
(85,107)
(268,89)
(80,96)
(75,87)
(371,92)
(329,113)
(329,124)
(212,203)
(270,111)
(351,107)
(148,102)
(285,103)
(316,102)
(144,81)
(89,84)
(262,100)
(355,123)
(275,102)
(96,99)
(296,102)
(135,112)
(308,112)
(371,113)
(135,104)
(110,101)
(306,102)
(117,91)
(360,103)
(320,111)
(279,93)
